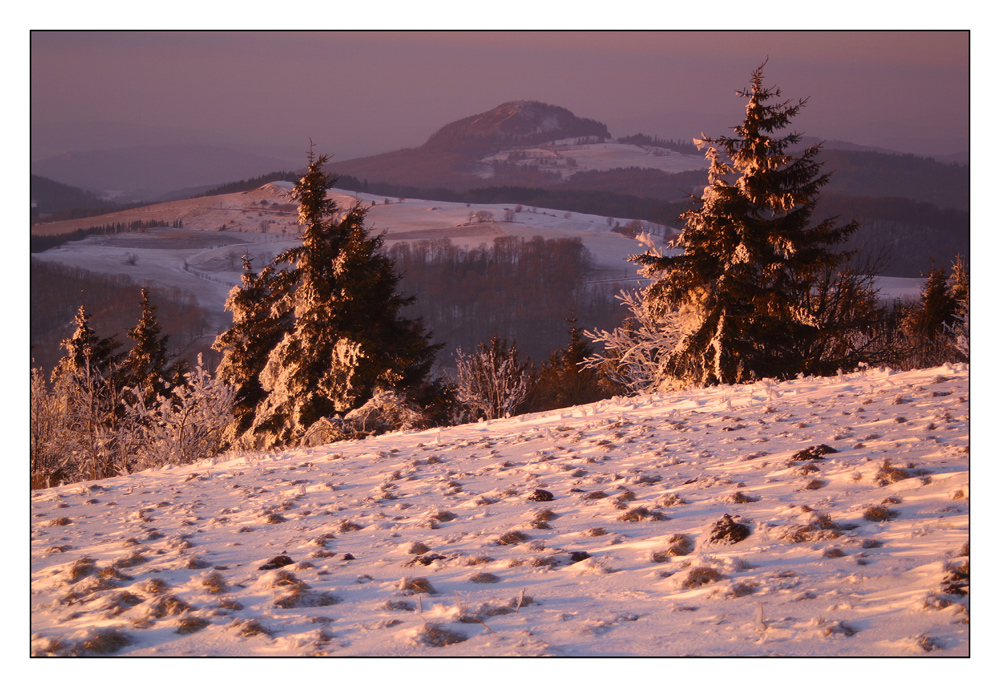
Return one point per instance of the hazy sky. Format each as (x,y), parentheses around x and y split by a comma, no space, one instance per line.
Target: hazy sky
(358,93)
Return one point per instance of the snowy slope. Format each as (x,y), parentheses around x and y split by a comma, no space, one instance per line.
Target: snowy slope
(397,543)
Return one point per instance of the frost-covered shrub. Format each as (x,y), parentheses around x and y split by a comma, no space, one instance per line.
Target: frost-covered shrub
(632,351)
(185,425)
(493,382)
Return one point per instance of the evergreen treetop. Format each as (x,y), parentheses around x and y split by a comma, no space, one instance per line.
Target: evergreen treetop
(146,362)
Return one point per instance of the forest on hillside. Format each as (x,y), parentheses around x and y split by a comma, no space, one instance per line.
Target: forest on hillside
(523,290)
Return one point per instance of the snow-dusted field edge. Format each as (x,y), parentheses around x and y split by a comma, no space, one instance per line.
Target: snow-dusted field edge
(396,541)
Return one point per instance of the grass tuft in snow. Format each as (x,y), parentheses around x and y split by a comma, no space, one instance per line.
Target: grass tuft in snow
(484,577)
(416,586)
(214,583)
(879,513)
(191,624)
(101,641)
(887,473)
(512,537)
(437,635)
(699,576)
(641,513)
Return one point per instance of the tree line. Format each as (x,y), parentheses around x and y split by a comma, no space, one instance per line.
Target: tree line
(520,288)
(43,242)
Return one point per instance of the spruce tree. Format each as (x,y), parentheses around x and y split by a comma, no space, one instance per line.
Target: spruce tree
(145,365)
(755,287)
(929,325)
(84,348)
(346,337)
(564,379)
(86,438)
(258,325)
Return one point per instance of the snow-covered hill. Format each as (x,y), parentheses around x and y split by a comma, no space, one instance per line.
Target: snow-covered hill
(569,157)
(608,529)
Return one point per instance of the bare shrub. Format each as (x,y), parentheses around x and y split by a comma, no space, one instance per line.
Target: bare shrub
(956,580)
(814,453)
(134,558)
(669,500)
(477,559)
(250,627)
(493,382)
(299,597)
(120,601)
(80,568)
(154,586)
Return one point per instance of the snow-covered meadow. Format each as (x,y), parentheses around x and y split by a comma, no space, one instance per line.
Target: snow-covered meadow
(814,517)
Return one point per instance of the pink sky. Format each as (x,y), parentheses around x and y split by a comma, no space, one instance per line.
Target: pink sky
(358,93)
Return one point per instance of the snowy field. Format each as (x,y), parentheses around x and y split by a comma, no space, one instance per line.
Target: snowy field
(205,260)
(814,517)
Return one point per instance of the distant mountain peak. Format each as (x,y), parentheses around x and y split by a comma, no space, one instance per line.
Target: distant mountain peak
(512,124)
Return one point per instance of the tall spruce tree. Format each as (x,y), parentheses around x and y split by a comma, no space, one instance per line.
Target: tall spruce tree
(758,291)
(346,337)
